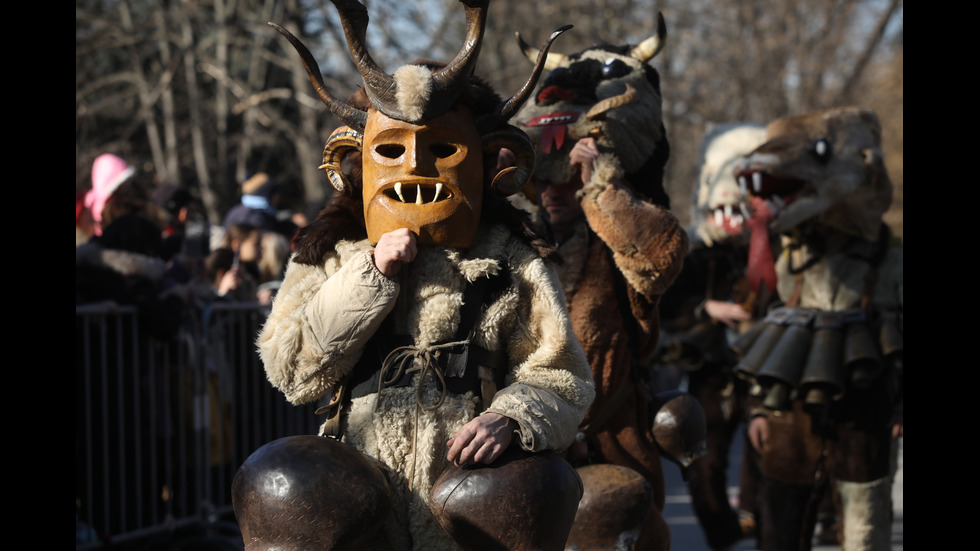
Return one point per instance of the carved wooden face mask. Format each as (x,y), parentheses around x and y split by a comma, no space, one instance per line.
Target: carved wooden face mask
(427,178)
(422,158)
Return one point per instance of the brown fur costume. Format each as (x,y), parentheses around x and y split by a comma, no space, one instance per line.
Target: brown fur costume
(647,253)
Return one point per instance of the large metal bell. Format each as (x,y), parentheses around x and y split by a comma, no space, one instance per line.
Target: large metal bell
(309,492)
(613,508)
(522,502)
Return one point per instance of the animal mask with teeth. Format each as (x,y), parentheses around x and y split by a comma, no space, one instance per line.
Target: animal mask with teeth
(823,167)
(609,93)
(424,135)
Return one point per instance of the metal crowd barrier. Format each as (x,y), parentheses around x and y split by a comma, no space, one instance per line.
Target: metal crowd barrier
(161,426)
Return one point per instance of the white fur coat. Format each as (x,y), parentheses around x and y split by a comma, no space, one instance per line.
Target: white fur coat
(323,316)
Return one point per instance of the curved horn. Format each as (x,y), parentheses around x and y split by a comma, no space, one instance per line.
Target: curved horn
(379,85)
(508,108)
(599,110)
(554,59)
(455,76)
(510,180)
(351,116)
(650,47)
(340,142)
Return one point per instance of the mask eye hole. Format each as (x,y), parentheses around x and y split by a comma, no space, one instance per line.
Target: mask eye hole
(390,151)
(442,150)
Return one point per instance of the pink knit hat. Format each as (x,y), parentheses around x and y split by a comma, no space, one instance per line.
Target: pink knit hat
(108,173)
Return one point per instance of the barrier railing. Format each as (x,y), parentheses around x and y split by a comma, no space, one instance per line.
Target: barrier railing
(161,427)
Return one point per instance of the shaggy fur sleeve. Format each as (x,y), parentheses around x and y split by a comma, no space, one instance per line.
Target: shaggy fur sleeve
(648,243)
(549,383)
(321,319)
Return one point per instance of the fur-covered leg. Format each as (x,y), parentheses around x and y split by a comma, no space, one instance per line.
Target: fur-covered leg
(867,510)
(788,514)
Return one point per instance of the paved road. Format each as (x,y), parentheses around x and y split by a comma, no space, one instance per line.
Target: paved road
(686,534)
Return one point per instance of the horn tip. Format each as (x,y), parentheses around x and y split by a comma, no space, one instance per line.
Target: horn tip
(559,31)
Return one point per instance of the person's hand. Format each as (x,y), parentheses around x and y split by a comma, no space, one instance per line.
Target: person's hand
(395,249)
(728,313)
(582,156)
(482,440)
(898,430)
(759,433)
(230,280)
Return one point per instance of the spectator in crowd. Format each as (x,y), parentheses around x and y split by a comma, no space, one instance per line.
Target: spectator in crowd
(185,226)
(228,280)
(123,266)
(272,265)
(111,195)
(245,240)
(260,197)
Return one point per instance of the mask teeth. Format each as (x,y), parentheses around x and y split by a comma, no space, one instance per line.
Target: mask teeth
(419,200)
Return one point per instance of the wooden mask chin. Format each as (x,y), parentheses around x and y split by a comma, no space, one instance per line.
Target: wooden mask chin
(426,178)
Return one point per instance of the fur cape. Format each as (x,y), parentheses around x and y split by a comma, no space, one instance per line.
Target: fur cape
(326,311)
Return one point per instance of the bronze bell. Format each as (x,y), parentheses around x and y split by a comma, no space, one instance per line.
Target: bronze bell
(862,361)
(614,506)
(823,377)
(679,428)
(783,368)
(309,492)
(522,501)
(744,342)
(755,356)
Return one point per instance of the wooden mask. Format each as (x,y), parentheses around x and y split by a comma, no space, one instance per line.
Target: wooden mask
(426,178)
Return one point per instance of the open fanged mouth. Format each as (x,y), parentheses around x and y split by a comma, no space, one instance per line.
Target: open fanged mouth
(419,194)
(767,186)
(727,218)
(778,192)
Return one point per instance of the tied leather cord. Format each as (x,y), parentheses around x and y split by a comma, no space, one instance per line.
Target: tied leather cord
(394,368)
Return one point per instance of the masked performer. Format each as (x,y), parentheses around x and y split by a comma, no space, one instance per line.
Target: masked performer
(601,147)
(419,294)
(827,367)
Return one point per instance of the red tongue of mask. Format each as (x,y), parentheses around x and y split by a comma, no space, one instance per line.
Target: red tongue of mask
(553,135)
(553,126)
(761,269)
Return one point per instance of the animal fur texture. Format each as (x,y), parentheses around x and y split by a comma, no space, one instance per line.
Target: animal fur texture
(624,252)
(822,176)
(324,314)
(607,94)
(718,208)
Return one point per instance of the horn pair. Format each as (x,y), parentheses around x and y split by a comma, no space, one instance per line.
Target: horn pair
(644,51)
(447,83)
